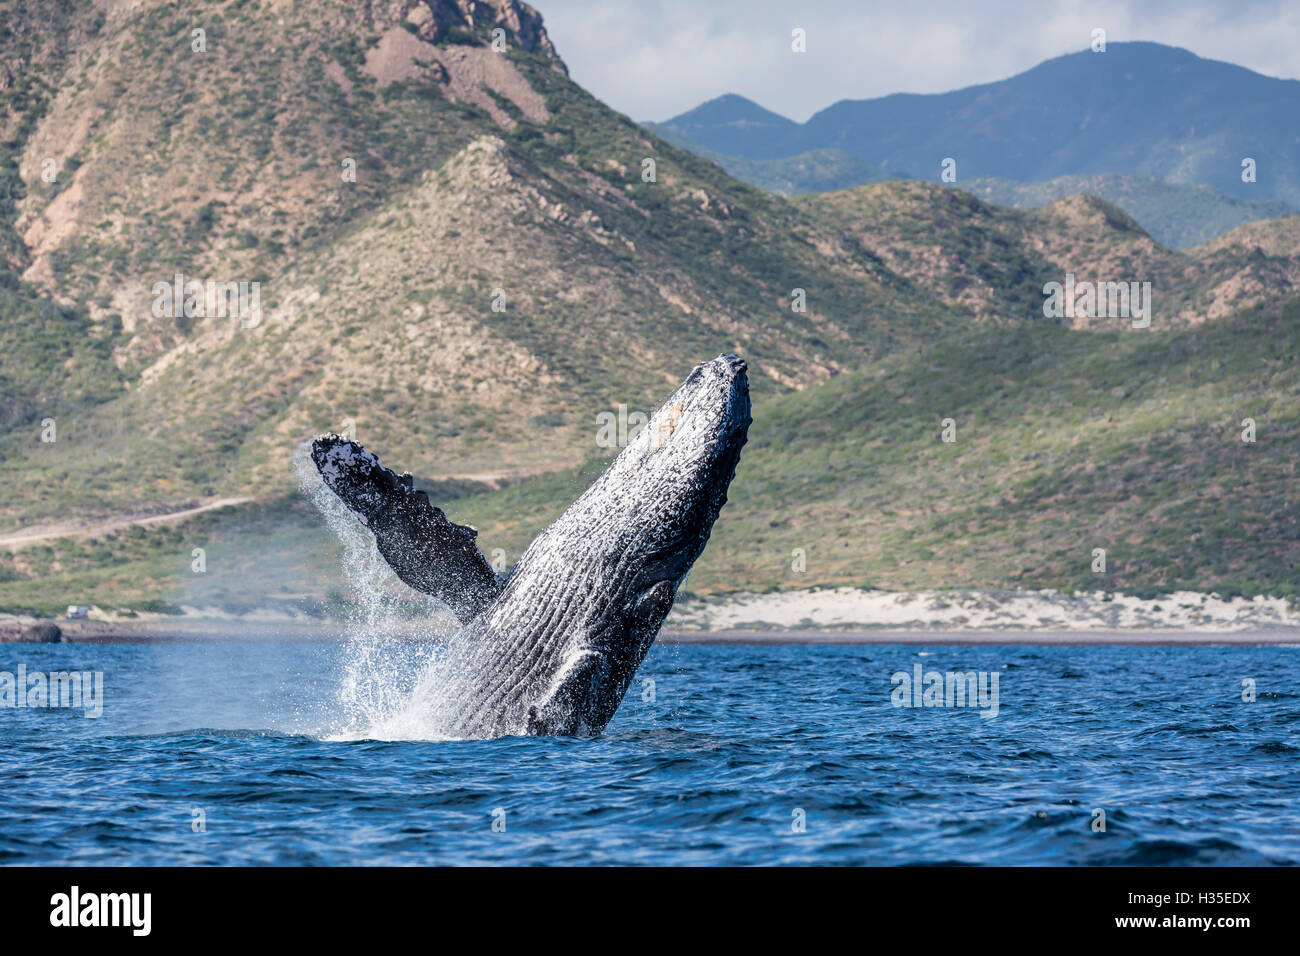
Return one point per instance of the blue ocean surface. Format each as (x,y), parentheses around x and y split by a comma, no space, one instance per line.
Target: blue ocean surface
(256,753)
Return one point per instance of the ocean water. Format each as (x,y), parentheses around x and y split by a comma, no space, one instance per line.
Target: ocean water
(263,753)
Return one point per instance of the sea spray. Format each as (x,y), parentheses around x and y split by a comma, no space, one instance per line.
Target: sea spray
(380,669)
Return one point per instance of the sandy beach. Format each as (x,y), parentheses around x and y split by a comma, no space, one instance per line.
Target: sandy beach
(812,616)
(976,611)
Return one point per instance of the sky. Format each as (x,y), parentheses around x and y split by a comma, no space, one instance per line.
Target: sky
(653,59)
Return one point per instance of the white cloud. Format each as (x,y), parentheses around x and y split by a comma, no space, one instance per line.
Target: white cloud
(656,58)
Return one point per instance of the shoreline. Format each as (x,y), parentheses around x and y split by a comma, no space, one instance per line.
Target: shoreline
(96,632)
(975,611)
(814,616)
(1144,638)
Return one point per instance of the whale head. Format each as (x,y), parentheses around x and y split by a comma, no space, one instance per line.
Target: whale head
(648,517)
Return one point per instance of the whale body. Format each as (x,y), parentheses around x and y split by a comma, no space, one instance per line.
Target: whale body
(551,648)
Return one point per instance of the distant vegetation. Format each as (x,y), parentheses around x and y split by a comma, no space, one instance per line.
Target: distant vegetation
(1176,215)
(1065,442)
(816,171)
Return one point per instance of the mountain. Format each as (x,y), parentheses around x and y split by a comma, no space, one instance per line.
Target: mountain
(1272,238)
(991,263)
(1065,442)
(1177,216)
(1138,109)
(465,257)
(481,179)
(734,125)
(818,170)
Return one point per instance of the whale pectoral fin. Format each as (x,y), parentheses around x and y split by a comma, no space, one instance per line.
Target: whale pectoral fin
(425,549)
(654,604)
(567,711)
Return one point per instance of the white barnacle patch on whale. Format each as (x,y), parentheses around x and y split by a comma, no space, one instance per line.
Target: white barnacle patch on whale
(665,427)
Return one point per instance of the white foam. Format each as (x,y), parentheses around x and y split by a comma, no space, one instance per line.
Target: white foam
(379,673)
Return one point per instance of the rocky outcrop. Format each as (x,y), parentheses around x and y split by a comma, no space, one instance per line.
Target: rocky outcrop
(42,632)
(437,20)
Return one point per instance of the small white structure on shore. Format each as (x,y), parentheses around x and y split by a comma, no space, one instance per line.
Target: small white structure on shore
(77,611)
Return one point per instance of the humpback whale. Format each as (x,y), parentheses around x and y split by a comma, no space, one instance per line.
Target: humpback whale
(551,648)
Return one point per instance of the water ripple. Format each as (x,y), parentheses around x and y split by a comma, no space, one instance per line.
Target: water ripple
(238,754)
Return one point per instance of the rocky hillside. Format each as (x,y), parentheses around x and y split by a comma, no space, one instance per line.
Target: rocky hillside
(1063,442)
(1176,215)
(512,256)
(992,263)
(448,247)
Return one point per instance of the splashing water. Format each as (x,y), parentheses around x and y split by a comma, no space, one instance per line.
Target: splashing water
(390,688)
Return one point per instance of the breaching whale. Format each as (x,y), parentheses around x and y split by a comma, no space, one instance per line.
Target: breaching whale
(552,647)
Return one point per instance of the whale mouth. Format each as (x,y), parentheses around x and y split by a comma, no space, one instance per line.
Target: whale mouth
(738,364)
